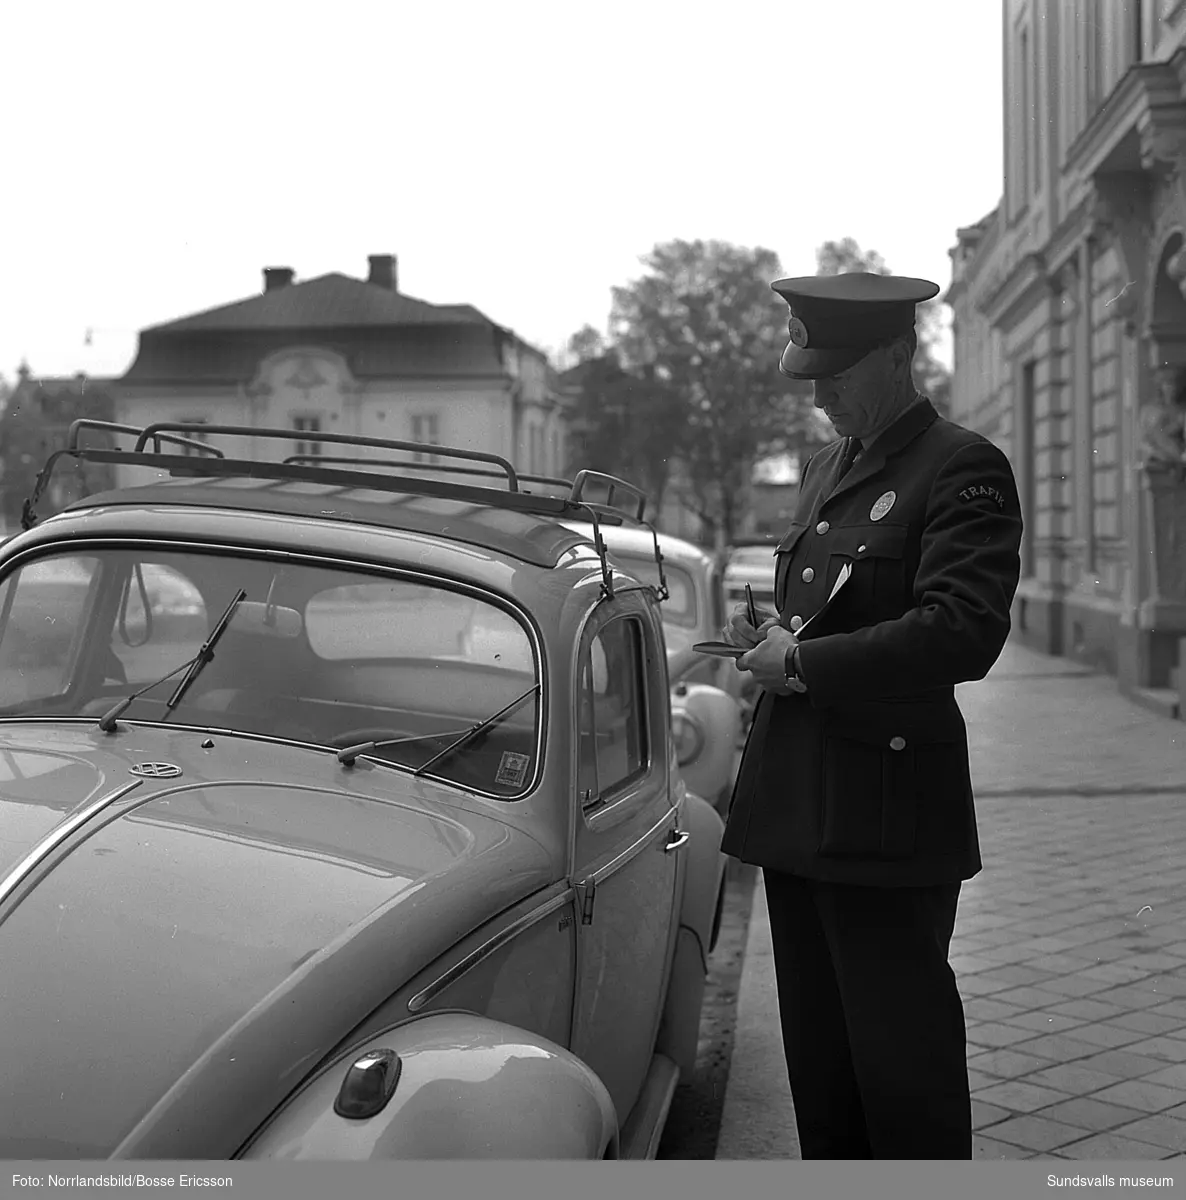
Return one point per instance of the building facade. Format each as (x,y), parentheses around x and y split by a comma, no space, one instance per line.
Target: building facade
(1069,326)
(336,354)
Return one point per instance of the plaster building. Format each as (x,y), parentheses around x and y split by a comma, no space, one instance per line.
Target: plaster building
(335,354)
(1070,329)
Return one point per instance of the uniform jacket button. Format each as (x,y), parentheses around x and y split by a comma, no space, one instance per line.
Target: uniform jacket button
(822,527)
(897,743)
(861,549)
(808,574)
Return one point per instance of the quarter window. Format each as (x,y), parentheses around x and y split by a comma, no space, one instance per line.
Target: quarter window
(613,711)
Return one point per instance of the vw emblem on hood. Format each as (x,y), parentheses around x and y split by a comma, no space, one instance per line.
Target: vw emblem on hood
(156,770)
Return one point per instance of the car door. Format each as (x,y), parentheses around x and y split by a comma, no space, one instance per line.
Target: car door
(626,846)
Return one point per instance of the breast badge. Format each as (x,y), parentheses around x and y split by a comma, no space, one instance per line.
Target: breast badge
(882,505)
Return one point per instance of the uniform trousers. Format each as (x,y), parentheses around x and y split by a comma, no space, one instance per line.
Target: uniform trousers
(872,1021)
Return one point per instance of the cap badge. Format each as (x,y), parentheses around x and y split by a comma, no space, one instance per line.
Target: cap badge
(798,332)
(882,505)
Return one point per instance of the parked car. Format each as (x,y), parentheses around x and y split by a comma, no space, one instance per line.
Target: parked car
(752,563)
(705,691)
(340,818)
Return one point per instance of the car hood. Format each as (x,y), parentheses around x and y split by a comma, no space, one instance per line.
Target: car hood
(211,935)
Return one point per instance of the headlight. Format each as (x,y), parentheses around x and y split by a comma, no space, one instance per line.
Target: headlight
(689,737)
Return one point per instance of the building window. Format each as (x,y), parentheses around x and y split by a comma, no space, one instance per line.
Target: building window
(194,432)
(307,425)
(426,429)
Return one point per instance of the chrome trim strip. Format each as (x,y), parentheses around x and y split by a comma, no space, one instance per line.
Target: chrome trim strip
(55,838)
(488,947)
(632,851)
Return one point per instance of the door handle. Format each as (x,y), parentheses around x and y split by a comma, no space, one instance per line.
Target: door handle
(676,838)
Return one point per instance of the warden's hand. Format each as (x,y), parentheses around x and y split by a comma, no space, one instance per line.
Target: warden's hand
(767,660)
(739,632)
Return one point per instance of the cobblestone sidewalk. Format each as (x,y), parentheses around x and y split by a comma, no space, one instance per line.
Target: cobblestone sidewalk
(1070,946)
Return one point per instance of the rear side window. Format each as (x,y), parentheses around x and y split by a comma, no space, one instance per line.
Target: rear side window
(614,734)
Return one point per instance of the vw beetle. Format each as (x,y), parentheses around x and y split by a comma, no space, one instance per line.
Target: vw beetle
(340,816)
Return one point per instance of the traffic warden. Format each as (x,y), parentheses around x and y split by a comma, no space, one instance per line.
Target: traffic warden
(854,794)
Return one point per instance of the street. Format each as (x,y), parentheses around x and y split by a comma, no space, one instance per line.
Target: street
(1069,949)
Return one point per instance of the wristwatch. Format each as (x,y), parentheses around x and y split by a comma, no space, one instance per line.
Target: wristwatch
(791,670)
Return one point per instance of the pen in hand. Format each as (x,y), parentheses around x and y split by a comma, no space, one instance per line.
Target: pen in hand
(751,613)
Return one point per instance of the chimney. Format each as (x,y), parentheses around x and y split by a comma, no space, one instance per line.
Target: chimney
(277,277)
(382,271)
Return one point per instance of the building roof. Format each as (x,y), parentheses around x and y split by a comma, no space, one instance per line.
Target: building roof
(461,350)
(331,301)
(381,334)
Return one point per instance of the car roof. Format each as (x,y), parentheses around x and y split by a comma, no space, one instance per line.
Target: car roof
(528,537)
(641,544)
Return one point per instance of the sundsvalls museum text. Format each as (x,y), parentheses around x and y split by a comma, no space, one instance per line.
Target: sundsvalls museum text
(1109,1181)
(51,1180)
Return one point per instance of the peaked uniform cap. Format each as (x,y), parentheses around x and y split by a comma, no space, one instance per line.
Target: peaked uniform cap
(837,319)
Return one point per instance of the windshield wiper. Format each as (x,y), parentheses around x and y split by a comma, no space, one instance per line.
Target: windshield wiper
(348,754)
(206,653)
(191,665)
(471,733)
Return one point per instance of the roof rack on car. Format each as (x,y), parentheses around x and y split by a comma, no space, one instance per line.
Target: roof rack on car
(199,458)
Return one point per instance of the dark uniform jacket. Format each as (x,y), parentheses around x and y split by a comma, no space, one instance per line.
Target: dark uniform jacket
(864,777)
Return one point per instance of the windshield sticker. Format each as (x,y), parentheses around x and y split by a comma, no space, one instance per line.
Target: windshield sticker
(512,769)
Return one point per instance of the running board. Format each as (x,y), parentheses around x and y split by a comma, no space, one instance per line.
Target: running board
(644,1127)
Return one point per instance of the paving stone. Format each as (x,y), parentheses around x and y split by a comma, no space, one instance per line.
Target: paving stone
(1110,1146)
(1020,1096)
(1036,1132)
(1061,1047)
(1172,1050)
(1123,1064)
(985,1114)
(987,1148)
(1089,1010)
(1147,1022)
(1098,1116)
(1076,986)
(994,1034)
(986,1008)
(1139,1093)
(1073,1079)
(970,964)
(1008,1064)
(1043,1021)
(1109,1037)
(1026,997)
(1172,1076)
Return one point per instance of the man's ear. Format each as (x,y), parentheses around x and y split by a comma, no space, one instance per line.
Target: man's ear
(902,357)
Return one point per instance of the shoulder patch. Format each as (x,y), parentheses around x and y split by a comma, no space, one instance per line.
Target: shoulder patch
(982,490)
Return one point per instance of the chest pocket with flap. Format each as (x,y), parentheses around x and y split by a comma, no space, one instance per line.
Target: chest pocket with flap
(783,553)
(879,588)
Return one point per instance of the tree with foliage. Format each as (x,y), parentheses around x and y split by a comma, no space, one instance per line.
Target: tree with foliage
(931,376)
(705,323)
(625,423)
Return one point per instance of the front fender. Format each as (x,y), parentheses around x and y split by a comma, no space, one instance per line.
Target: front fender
(718,717)
(468,1088)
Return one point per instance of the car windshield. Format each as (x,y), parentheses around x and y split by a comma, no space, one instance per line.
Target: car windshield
(752,556)
(313,654)
(680,606)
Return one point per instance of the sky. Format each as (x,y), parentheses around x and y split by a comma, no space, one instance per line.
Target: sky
(519,156)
